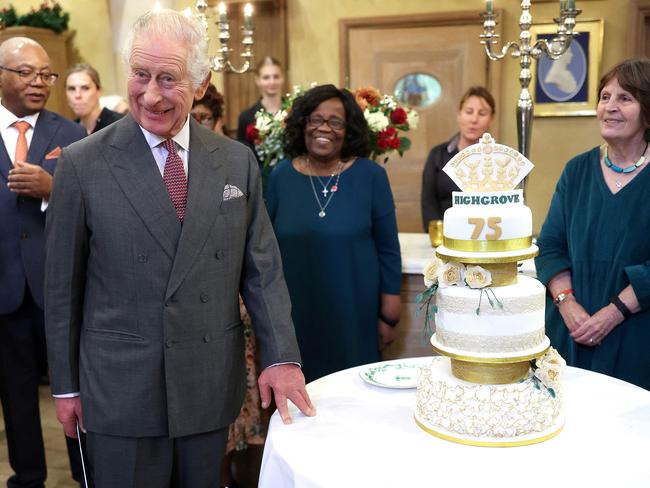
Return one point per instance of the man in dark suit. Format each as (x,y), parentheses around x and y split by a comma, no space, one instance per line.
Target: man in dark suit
(31,141)
(155,225)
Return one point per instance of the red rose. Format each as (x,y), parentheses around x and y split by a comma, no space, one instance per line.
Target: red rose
(252,133)
(398,116)
(395,143)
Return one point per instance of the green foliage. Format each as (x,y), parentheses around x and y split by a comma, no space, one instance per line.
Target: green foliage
(49,15)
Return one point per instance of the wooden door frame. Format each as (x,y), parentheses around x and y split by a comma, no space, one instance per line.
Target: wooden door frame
(638,14)
(460,18)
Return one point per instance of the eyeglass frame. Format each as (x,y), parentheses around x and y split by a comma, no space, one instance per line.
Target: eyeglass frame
(325,121)
(34,74)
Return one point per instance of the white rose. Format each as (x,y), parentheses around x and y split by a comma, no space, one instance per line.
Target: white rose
(376,120)
(263,123)
(412,117)
(430,272)
(477,277)
(280,116)
(451,273)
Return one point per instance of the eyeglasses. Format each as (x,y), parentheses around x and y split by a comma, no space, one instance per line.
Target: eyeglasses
(202,118)
(334,123)
(29,75)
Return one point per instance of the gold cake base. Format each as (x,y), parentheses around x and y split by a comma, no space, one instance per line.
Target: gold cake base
(490,373)
(481,442)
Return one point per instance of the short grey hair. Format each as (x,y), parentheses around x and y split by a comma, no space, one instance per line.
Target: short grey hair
(187,30)
(14,43)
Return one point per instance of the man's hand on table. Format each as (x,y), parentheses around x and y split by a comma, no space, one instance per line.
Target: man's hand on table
(287,382)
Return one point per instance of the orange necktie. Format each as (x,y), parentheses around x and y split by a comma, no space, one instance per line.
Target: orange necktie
(21,143)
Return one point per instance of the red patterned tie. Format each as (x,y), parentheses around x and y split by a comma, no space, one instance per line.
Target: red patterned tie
(175,179)
(21,142)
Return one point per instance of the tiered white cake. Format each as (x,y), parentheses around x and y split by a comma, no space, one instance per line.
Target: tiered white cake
(497,382)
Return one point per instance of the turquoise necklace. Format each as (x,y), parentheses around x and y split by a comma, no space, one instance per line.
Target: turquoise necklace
(630,168)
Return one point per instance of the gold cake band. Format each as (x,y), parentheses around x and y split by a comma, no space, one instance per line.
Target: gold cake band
(472,245)
(489,373)
(503,274)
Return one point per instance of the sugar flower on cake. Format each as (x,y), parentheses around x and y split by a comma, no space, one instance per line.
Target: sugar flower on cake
(451,273)
(477,277)
(548,369)
(430,272)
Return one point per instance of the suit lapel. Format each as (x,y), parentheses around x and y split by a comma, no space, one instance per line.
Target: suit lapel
(204,195)
(5,161)
(45,129)
(133,166)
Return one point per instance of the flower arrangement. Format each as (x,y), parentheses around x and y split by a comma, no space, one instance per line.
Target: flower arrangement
(385,118)
(268,130)
(440,274)
(49,15)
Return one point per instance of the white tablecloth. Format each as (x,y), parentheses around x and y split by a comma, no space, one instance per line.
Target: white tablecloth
(365,436)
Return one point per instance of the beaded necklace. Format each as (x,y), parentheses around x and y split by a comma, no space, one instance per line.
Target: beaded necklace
(628,169)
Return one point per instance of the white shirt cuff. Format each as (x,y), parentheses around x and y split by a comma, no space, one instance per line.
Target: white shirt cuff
(279,364)
(67,395)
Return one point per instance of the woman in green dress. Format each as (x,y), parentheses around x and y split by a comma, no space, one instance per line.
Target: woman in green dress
(333,214)
(594,249)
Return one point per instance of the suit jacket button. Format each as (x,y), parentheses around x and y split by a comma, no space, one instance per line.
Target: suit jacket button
(142,258)
(204,297)
(23,236)
(218,254)
(206,338)
(169,343)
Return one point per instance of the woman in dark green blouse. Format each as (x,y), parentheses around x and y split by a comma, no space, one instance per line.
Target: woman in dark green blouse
(594,246)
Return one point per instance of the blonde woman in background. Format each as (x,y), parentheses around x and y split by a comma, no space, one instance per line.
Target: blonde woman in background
(269,78)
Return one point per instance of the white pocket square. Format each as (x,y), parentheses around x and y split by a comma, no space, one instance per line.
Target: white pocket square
(231,192)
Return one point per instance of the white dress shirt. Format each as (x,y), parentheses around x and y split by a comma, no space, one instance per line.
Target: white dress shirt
(10,134)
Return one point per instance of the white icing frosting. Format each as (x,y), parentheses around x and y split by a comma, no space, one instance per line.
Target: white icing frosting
(475,412)
(516,219)
(518,326)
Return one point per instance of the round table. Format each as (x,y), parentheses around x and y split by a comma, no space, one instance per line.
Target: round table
(365,436)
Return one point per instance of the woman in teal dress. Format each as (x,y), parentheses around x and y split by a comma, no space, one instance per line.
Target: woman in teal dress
(594,251)
(334,218)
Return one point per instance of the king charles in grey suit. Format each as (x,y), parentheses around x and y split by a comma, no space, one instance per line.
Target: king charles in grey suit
(142,314)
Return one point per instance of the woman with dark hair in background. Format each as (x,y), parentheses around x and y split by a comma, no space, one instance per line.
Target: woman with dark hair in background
(594,253)
(83,89)
(334,217)
(475,114)
(269,78)
(208,111)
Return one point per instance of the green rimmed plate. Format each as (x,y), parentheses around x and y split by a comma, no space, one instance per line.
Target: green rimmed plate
(393,374)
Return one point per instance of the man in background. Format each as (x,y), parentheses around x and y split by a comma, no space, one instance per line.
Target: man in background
(31,140)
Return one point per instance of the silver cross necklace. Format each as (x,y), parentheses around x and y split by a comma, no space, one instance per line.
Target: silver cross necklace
(324,191)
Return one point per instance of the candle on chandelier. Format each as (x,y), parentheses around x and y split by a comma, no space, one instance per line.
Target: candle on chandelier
(248,16)
(571,4)
(488,6)
(221,8)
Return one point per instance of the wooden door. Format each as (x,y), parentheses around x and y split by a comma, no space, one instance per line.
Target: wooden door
(381,51)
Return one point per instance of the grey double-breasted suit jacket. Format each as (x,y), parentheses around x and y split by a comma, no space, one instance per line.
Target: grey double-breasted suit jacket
(142,314)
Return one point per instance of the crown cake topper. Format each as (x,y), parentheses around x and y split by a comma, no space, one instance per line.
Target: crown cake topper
(487,166)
